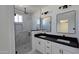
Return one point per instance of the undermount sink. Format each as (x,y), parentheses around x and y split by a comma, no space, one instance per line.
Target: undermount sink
(65,41)
(43,36)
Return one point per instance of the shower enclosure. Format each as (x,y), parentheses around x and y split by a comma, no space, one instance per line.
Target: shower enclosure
(22,37)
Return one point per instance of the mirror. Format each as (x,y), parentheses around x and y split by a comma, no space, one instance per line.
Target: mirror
(66,22)
(46,23)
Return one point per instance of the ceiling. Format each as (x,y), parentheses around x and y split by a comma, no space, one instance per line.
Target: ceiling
(30,8)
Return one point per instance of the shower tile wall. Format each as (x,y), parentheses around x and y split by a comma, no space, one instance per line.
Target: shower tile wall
(23,42)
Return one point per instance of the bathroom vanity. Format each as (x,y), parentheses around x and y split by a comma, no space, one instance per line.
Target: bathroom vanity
(54,44)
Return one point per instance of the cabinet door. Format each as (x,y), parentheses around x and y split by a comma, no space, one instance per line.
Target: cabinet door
(41,45)
(34,41)
(48,47)
(60,49)
(66,52)
(56,50)
(38,44)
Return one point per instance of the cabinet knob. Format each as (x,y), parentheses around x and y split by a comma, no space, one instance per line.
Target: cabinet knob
(47,53)
(59,51)
(62,51)
(39,43)
(47,47)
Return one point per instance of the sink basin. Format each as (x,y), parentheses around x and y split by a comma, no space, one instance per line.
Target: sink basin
(65,41)
(43,36)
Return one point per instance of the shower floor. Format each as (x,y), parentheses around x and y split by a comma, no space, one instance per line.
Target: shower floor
(24,49)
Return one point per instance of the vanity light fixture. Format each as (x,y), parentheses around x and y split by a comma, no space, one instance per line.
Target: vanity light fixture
(64,7)
(45,13)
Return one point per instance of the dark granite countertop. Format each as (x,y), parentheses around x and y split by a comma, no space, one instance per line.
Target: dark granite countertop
(54,38)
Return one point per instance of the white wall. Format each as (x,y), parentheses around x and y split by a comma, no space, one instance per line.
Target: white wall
(53,11)
(35,18)
(7,42)
(27,24)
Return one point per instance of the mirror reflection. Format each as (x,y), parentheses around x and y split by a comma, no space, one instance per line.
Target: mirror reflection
(46,23)
(66,22)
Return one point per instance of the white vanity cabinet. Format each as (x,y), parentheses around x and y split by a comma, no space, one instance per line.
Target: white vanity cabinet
(63,49)
(59,49)
(44,46)
(55,50)
(34,39)
(40,45)
(66,52)
(48,47)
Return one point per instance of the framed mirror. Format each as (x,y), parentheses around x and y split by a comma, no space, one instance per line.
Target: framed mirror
(66,22)
(46,23)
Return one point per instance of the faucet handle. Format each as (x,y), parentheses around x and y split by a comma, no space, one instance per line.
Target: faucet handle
(64,36)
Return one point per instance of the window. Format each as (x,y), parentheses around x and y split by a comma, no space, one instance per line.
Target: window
(18,18)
